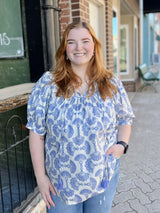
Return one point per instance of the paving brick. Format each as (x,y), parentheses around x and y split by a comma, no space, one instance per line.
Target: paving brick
(137,206)
(154,195)
(123,197)
(154,207)
(121,208)
(154,185)
(146,178)
(155,175)
(126,186)
(126,175)
(142,197)
(142,185)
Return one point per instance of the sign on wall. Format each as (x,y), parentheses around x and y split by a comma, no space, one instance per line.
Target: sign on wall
(11,36)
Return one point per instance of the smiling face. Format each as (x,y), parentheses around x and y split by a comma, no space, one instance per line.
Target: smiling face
(80,47)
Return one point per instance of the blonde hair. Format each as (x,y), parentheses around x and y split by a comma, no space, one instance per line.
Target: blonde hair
(67,81)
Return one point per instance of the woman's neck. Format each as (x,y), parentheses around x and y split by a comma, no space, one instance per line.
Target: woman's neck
(81,72)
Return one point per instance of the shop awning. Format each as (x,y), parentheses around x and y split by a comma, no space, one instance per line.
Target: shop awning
(151,6)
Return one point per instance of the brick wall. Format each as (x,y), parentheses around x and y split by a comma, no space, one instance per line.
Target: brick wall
(109,35)
(65,14)
(73,10)
(80,10)
(130,86)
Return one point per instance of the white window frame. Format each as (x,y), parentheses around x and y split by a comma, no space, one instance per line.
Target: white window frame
(136,46)
(102,28)
(127,43)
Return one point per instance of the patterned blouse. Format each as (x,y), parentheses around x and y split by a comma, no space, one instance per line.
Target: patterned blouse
(78,131)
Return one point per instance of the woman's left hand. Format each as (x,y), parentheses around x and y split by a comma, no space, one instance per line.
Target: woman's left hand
(117,150)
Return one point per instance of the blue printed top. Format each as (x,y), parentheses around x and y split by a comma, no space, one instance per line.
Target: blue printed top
(78,131)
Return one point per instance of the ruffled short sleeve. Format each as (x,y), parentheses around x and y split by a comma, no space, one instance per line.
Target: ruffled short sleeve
(38,104)
(123,107)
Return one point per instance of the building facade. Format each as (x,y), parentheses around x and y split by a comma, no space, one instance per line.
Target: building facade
(151,42)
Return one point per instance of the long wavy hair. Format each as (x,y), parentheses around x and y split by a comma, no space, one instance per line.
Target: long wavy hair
(67,81)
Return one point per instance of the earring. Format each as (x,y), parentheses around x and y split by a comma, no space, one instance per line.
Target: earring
(93,53)
(66,57)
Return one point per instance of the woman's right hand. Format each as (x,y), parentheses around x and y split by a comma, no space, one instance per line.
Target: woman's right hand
(45,187)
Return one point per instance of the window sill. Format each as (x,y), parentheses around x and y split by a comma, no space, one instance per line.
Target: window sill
(14,96)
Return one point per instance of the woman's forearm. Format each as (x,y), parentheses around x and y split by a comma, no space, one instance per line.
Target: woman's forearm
(36,145)
(124,133)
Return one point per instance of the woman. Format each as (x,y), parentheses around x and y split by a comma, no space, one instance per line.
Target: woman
(76,114)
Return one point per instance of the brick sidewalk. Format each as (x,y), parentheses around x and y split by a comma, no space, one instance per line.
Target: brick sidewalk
(139,184)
